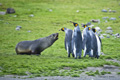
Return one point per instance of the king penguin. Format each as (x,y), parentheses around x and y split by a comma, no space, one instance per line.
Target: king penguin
(77,41)
(99,42)
(94,45)
(86,41)
(68,40)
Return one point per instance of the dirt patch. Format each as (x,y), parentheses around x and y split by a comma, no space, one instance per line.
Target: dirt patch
(114,60)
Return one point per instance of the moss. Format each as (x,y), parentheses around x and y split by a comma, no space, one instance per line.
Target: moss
(97,72)
(104,72)
(118,73)
(75,75)
(91,73)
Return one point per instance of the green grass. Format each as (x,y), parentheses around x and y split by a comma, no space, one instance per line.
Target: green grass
(91,73)
(104,72)
(54,59)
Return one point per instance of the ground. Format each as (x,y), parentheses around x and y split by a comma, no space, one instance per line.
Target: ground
(40,18)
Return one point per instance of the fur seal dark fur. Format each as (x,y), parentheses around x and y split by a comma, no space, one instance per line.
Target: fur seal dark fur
(37,46)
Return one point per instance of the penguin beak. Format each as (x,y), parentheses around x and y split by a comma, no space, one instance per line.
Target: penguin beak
(59,29)
(71,22)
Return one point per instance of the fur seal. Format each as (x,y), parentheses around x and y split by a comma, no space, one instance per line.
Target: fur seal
(36,46)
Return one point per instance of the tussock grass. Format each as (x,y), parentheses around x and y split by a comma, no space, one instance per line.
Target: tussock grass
(54,59)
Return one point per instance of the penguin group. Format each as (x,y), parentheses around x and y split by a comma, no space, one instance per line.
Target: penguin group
(87,40)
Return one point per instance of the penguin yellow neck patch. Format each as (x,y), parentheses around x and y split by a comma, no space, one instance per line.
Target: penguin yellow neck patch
(85,26)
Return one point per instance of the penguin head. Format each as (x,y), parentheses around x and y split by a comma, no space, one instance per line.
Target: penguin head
(89,28)
(94,30)
(75,24)
(84,25)
(62,29)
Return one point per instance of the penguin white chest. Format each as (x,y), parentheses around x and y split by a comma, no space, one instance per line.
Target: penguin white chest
(99,45)
(74,50)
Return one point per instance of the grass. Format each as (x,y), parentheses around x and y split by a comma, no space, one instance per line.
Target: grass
(91,73)
(54,59)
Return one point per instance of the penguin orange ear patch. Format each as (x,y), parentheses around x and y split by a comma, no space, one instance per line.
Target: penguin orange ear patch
(76,25)
(89,28)
(95,30)
(85,26)
(62,29)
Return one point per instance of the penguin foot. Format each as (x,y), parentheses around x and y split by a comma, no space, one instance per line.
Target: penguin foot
(75,57)
(79,57)
(72,55)
(68,55)
(37,54)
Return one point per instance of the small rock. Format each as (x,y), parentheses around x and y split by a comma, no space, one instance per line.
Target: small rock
(31,15)
(18,28)
(102,53)
(114,11)
(119,16)
(104,10)
(2,13)
(101,36)
(109,28)
(98,29)
(10,10)
(112,18)
(105,18)
(0,4)
(117,34)
(107,36)
(29,31)
(77,11)
(106,21)
(15,16)
(50,10)
(95,21)
(89,23)
(110,10)
(28,73)
(113,34)
(7,23)
(90,26)
(104,34)
(109,67)
(109,32)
